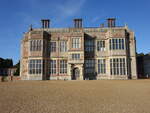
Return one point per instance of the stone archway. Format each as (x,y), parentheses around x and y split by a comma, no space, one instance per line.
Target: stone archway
(75,74)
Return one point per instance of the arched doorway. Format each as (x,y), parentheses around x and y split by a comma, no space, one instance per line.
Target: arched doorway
(75,74)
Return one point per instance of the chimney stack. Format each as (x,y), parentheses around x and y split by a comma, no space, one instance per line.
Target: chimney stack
(78,23)
(45,23)
(111,22)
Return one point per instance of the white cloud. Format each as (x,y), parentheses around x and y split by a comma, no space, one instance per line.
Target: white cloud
(55,10)
(70,8)
(102,14)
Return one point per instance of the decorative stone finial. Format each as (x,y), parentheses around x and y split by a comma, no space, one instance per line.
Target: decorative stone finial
(126,26)
(30,28)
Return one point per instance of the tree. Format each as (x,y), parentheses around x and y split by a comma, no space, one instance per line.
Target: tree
(6,63)
(140,54)
(18,69)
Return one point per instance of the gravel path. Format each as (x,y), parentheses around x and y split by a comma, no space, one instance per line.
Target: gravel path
(101,96)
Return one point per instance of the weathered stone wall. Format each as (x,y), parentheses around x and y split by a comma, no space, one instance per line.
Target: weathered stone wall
(67,34)
(10,78)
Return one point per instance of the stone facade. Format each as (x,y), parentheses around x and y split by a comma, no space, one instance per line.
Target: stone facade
(143,65)
(101,53)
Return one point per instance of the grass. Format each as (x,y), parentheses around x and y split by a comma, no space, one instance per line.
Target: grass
(101,96)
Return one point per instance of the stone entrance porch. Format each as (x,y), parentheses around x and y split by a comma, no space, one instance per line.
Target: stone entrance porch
(76,71)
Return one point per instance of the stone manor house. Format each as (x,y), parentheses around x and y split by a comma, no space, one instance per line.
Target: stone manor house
(78,53)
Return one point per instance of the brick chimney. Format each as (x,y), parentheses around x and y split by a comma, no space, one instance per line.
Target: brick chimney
(111,22)
(78,23)
(45,23)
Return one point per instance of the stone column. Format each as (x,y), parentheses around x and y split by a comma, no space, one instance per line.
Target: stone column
(133,68)
(69,71)
(108,73)
(81,72)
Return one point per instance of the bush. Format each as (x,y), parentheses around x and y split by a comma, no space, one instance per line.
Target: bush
(4,79)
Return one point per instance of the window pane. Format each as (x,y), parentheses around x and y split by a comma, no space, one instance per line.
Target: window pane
(63,46)
(101,45)
(116,44)
(35,45)
(122,43)
(89,45)
(34,66)
(53,46)
(63,66)
(90,66)
(117,66)
(75,56)
(101,66)
(75,43)
(52,67)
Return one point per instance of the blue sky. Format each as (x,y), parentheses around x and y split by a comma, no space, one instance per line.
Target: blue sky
(17,15)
